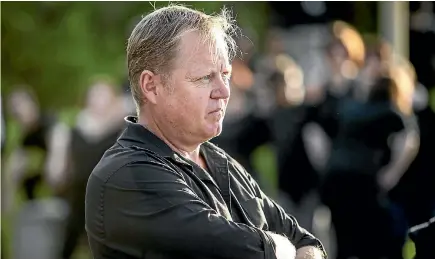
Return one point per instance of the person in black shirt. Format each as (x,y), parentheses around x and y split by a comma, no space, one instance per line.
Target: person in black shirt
(417,185)
(162,190)
(297,177)
(97,127)
(366,162)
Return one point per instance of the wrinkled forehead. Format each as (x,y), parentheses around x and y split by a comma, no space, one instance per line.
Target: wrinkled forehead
(196,50)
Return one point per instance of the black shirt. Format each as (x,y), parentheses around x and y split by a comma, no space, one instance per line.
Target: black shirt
(85,153)
(37,136)
(296,175)
(364,129)
(145,201)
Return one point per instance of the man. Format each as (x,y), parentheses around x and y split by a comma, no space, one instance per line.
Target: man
(163,191)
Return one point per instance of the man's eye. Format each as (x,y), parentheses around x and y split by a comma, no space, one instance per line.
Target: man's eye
(206,79)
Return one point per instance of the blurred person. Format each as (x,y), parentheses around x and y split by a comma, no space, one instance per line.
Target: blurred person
(297,177)
(417,183)
(36,232)
(376,142)
(97,127)
(162,190)
(345,55)
(265,67)
(40,131)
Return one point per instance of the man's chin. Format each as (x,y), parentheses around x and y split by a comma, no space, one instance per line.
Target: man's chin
(214,131)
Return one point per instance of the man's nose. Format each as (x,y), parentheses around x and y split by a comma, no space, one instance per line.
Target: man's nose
(221,90)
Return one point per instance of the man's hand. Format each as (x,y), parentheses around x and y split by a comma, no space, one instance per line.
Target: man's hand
(284,249)
(309,252)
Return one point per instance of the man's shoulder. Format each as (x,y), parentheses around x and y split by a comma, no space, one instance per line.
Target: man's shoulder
(119,158)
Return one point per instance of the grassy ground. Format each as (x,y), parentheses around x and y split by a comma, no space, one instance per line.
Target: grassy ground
(263,158)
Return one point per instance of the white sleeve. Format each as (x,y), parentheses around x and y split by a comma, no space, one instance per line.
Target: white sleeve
(56,164)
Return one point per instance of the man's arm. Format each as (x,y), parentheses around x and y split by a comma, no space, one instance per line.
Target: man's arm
(307,246)
(146,206)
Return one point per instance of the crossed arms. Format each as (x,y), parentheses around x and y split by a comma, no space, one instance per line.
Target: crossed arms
(149,207)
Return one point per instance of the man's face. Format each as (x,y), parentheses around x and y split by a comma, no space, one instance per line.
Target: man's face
(194,101)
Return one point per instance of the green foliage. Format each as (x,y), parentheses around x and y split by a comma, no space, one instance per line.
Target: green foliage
(432,99)
(56,46)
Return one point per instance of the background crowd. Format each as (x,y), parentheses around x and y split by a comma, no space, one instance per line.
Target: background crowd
(332,121)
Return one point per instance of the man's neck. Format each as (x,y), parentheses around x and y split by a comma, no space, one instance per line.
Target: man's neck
(190,152)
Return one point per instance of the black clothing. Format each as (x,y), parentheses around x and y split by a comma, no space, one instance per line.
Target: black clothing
(364,129)
(350,187)
(417,185)
(296,175)
(37,138)
(422,235)
(241,138)
(326,114)
(145,201)
(84,156)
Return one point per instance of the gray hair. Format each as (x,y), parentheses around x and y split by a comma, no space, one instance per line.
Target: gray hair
(153,42)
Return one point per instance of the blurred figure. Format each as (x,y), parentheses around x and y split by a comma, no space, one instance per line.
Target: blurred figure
(345,55)
(97,128)
(39,134)
(376,141)
(297,178)
(418,181)
(37,231)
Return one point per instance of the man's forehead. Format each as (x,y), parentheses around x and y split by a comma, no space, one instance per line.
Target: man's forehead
(199,54)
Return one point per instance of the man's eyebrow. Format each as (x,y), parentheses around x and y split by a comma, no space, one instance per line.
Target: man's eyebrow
(199,72)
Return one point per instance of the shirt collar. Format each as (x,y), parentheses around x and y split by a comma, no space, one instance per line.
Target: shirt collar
(136,135)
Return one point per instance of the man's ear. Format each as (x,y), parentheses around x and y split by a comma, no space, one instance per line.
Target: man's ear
(148,82)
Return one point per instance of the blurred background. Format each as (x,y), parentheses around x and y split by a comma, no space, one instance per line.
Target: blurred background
(332,111)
